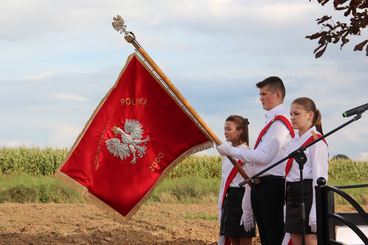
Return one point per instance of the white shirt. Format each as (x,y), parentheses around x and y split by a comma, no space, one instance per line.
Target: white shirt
(317,159)
(227,166)
(270,148)
(315,167)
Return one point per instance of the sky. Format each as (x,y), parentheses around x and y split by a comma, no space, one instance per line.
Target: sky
(59,58)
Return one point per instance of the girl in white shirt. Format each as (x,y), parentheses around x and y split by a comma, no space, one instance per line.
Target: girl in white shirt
(305,118)
(236,217)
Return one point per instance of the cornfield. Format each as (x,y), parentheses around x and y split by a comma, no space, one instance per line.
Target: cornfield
(32,161)
(25,176)
(44,161)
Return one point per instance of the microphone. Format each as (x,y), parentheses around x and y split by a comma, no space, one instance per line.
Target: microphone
(356,110)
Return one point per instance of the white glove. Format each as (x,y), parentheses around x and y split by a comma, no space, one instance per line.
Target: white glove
(287,239)
(247,218)
(224,149)
(221,240)
(313,218)
(313,224)
(247,221)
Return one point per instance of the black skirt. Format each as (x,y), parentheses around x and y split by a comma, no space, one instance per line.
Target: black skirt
(294,224)
(231,214)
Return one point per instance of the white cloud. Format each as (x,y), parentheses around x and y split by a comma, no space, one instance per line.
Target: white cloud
(280,13)
(38,76)
(41,18)
(68,97)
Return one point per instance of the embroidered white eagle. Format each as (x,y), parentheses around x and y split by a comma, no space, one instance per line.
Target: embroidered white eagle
(131,141)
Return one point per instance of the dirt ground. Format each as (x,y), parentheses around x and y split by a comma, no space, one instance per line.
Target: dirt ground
(154,223)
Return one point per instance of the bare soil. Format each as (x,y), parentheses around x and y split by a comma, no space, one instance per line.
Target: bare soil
(154,223)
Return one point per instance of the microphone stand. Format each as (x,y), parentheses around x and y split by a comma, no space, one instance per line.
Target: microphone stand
(301,159)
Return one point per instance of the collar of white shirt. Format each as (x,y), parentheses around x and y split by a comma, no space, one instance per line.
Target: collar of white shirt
(277,110)
(306,135)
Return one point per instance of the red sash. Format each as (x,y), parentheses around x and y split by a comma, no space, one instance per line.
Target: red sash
(229,179)
(282,119)
(289,163)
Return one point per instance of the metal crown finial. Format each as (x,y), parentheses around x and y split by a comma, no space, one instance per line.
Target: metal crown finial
(120,26)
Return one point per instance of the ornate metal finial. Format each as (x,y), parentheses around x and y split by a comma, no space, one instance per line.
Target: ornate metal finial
(119,24)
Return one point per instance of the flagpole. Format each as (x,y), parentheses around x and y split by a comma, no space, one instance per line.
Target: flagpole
(120,26)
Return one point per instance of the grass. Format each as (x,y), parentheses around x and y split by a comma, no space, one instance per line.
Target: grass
(31,189)
(359,194)
(199,216)
(190,189)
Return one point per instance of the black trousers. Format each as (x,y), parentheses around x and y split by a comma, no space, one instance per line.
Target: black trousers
(267,197)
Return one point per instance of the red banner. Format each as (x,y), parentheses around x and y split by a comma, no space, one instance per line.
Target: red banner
(137,133)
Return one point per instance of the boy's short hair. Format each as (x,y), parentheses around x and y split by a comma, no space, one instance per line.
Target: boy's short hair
(274,83)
